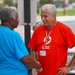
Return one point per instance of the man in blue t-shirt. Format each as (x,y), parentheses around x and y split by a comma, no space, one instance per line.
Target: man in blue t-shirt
(14,57)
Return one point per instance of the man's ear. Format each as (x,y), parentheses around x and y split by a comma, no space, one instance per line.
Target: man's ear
(11,20)
(54,16)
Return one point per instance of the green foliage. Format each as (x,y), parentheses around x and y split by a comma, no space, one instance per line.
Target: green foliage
(16,5)
(1,6)
(8,2)
(70,12)
(42,2)
(67,12)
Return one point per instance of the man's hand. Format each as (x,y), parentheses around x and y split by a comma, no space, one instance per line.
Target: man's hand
(39,70)
(63,70)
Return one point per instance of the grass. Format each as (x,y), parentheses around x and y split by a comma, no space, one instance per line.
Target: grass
(66,12)
(69,12)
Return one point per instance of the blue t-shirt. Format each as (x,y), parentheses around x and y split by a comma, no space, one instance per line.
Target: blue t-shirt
(12,49)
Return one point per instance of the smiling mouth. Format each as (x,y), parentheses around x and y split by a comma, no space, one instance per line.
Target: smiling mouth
(45,22)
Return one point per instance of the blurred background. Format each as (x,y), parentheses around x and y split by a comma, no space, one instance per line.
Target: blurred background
(64,7)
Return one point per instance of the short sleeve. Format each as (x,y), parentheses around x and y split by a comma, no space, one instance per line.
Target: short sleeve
(20,49)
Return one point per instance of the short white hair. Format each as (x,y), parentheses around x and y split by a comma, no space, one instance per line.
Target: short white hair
(50,7)
(6,13)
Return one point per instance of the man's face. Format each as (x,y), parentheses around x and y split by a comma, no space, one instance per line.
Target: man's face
(47,18)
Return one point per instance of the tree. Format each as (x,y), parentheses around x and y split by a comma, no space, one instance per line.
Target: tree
(42,2)
(8,2)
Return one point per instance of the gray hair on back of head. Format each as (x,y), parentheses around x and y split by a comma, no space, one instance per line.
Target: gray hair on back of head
(7,13)
(50,7)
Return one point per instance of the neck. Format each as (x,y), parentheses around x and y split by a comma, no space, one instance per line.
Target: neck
(51,25)
(6,24)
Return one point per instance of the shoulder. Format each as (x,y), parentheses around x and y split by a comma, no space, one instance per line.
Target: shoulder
(63,26)
(39,28)
(16,35)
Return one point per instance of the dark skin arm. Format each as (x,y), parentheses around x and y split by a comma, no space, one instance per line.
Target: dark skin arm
(67,68)
(30,62)
(33,53)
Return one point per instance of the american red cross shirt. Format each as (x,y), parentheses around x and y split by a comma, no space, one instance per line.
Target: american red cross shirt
(52,50)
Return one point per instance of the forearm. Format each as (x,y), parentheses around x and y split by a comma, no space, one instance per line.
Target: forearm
(30,62)
(72,63)
(33,54)
(67,68)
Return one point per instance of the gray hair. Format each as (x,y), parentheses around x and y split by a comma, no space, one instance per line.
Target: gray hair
(7,13)
(50,7)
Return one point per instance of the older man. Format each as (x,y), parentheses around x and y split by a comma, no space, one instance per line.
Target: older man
(51,41)
(14,57)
